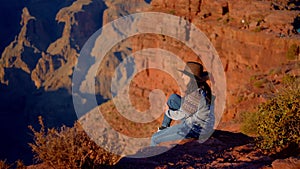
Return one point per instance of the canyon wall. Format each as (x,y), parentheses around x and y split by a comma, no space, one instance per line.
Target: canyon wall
(37,62)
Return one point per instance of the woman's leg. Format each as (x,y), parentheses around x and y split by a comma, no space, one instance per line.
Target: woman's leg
(174,103)
(166,121)
(176,132)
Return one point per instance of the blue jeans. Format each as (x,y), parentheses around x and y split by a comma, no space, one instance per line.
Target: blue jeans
(166,121)
(176,132)
(174,103)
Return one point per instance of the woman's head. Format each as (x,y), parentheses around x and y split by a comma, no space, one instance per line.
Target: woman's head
(194,77)
(195,71)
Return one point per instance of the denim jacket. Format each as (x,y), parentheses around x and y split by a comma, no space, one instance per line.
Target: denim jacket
(201,121)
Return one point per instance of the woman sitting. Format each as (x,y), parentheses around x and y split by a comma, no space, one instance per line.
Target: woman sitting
(195,110)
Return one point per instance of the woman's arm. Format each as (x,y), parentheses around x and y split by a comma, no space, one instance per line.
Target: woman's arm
(202,119)
(175,114)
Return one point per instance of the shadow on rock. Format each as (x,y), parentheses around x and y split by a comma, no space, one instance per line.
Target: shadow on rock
(222,150)
(20,105)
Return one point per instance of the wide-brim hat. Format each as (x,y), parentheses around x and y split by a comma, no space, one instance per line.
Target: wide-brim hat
(195,70)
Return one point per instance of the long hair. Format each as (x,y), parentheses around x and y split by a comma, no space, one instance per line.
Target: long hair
(196,84)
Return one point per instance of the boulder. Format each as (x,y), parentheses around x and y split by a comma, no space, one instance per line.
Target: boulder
(289,163)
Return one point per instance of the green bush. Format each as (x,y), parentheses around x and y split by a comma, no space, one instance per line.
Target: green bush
(249,123)
(288,79)
(279,120)
(260,83)
(292,52)
(173,12)
(69,148)
(257,29)
(274,71)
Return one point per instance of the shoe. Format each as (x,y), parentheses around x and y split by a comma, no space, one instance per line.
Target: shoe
(161,128)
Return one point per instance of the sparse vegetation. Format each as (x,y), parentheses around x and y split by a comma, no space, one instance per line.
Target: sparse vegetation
(20,165)
(260,83)
(69,148)
(248,67)
(257,29)
(227,20)
(172,12)
(274,71)
(279,120)
(292,52)
(240,99)
(252,78)
(288,79)
(260,20)
(4,165)
(16,165)
(249,123)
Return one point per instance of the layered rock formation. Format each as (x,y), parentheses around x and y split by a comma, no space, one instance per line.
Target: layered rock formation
(246,42)
(251,37)
(36,68)
(12,55)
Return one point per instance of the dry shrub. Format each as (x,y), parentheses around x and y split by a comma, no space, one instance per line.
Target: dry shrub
(69,148)
(293,52)
(17,165)
(4,165)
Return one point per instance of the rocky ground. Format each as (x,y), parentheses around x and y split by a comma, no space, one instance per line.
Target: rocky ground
(224,150)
